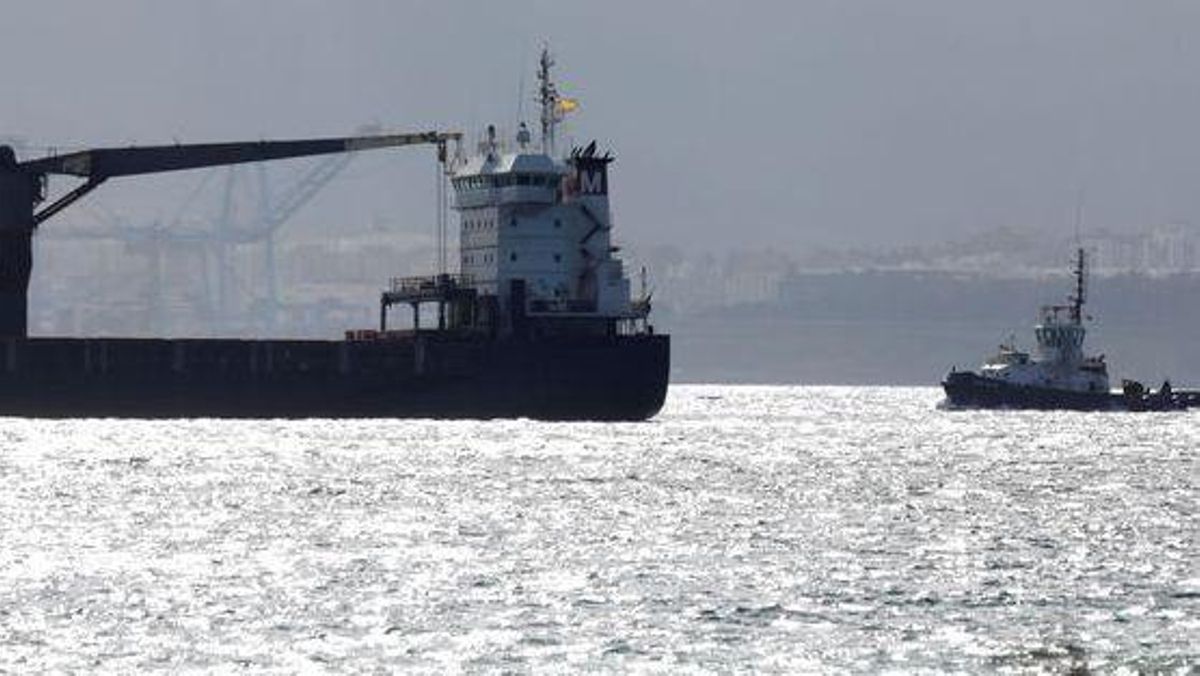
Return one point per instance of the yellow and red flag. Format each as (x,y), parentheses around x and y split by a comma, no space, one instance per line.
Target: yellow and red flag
(565,105)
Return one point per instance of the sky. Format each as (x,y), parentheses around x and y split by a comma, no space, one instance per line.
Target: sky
(756,125)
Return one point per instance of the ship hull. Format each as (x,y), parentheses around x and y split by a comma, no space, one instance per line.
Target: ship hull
(970,390)
(425,376)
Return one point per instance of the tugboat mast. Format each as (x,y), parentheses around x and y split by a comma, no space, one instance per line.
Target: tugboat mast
(1079,297)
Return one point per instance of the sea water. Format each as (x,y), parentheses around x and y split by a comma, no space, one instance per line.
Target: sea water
(784,529)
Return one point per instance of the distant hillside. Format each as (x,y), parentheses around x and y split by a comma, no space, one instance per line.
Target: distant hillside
(694,281)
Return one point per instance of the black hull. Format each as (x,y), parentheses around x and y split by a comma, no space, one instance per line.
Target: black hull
(431,376)
(970,390)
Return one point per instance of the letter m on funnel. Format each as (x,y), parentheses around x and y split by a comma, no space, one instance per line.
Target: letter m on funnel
(592,180)
(591,170)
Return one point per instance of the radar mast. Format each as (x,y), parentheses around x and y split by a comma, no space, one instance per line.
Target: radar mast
(548,95)
(1080,295)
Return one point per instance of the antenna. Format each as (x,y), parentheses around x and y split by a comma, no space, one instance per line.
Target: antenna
(1080,296)
(1080,196)
(521,91)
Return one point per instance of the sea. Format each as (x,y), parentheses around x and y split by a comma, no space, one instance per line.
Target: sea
(744,529)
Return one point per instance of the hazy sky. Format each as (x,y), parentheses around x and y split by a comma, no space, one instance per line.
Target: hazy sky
(756,124)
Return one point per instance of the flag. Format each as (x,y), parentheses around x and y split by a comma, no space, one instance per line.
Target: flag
(565,105)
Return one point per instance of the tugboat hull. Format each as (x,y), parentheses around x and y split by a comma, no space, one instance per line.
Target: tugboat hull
(970,390)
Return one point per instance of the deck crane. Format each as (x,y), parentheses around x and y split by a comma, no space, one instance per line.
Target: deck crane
(23,188)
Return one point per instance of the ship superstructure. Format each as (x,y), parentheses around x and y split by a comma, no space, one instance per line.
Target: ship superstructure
(540,231)
(536,250)
(1058,360)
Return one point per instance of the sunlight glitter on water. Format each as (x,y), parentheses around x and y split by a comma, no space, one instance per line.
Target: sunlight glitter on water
(767,528)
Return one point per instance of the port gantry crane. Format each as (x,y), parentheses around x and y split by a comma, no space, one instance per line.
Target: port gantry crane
(23,188)
(217,242)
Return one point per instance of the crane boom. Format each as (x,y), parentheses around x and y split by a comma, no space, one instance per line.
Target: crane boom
(101,163)
(22,189)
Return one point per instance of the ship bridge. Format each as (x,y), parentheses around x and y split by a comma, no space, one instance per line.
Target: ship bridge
(1058,340)
(510,178)
(535,236)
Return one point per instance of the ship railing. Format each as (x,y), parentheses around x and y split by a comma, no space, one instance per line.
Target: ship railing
(427,287)
(444,290)
(637,312)
(429,282)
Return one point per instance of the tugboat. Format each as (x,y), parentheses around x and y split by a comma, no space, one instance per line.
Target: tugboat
(1058,375)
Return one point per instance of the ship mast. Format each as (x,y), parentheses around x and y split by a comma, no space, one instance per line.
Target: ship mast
(548,95)
(1078,298)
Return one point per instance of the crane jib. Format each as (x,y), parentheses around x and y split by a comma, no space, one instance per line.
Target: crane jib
(112,162)
(22,189)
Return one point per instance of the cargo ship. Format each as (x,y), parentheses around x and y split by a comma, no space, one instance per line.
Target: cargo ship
(1058,374)
(538,322)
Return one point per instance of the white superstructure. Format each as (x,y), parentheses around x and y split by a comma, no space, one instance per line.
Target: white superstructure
(1058,361)
(536,230)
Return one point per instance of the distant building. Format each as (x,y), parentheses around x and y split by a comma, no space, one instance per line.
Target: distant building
(1162,249)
